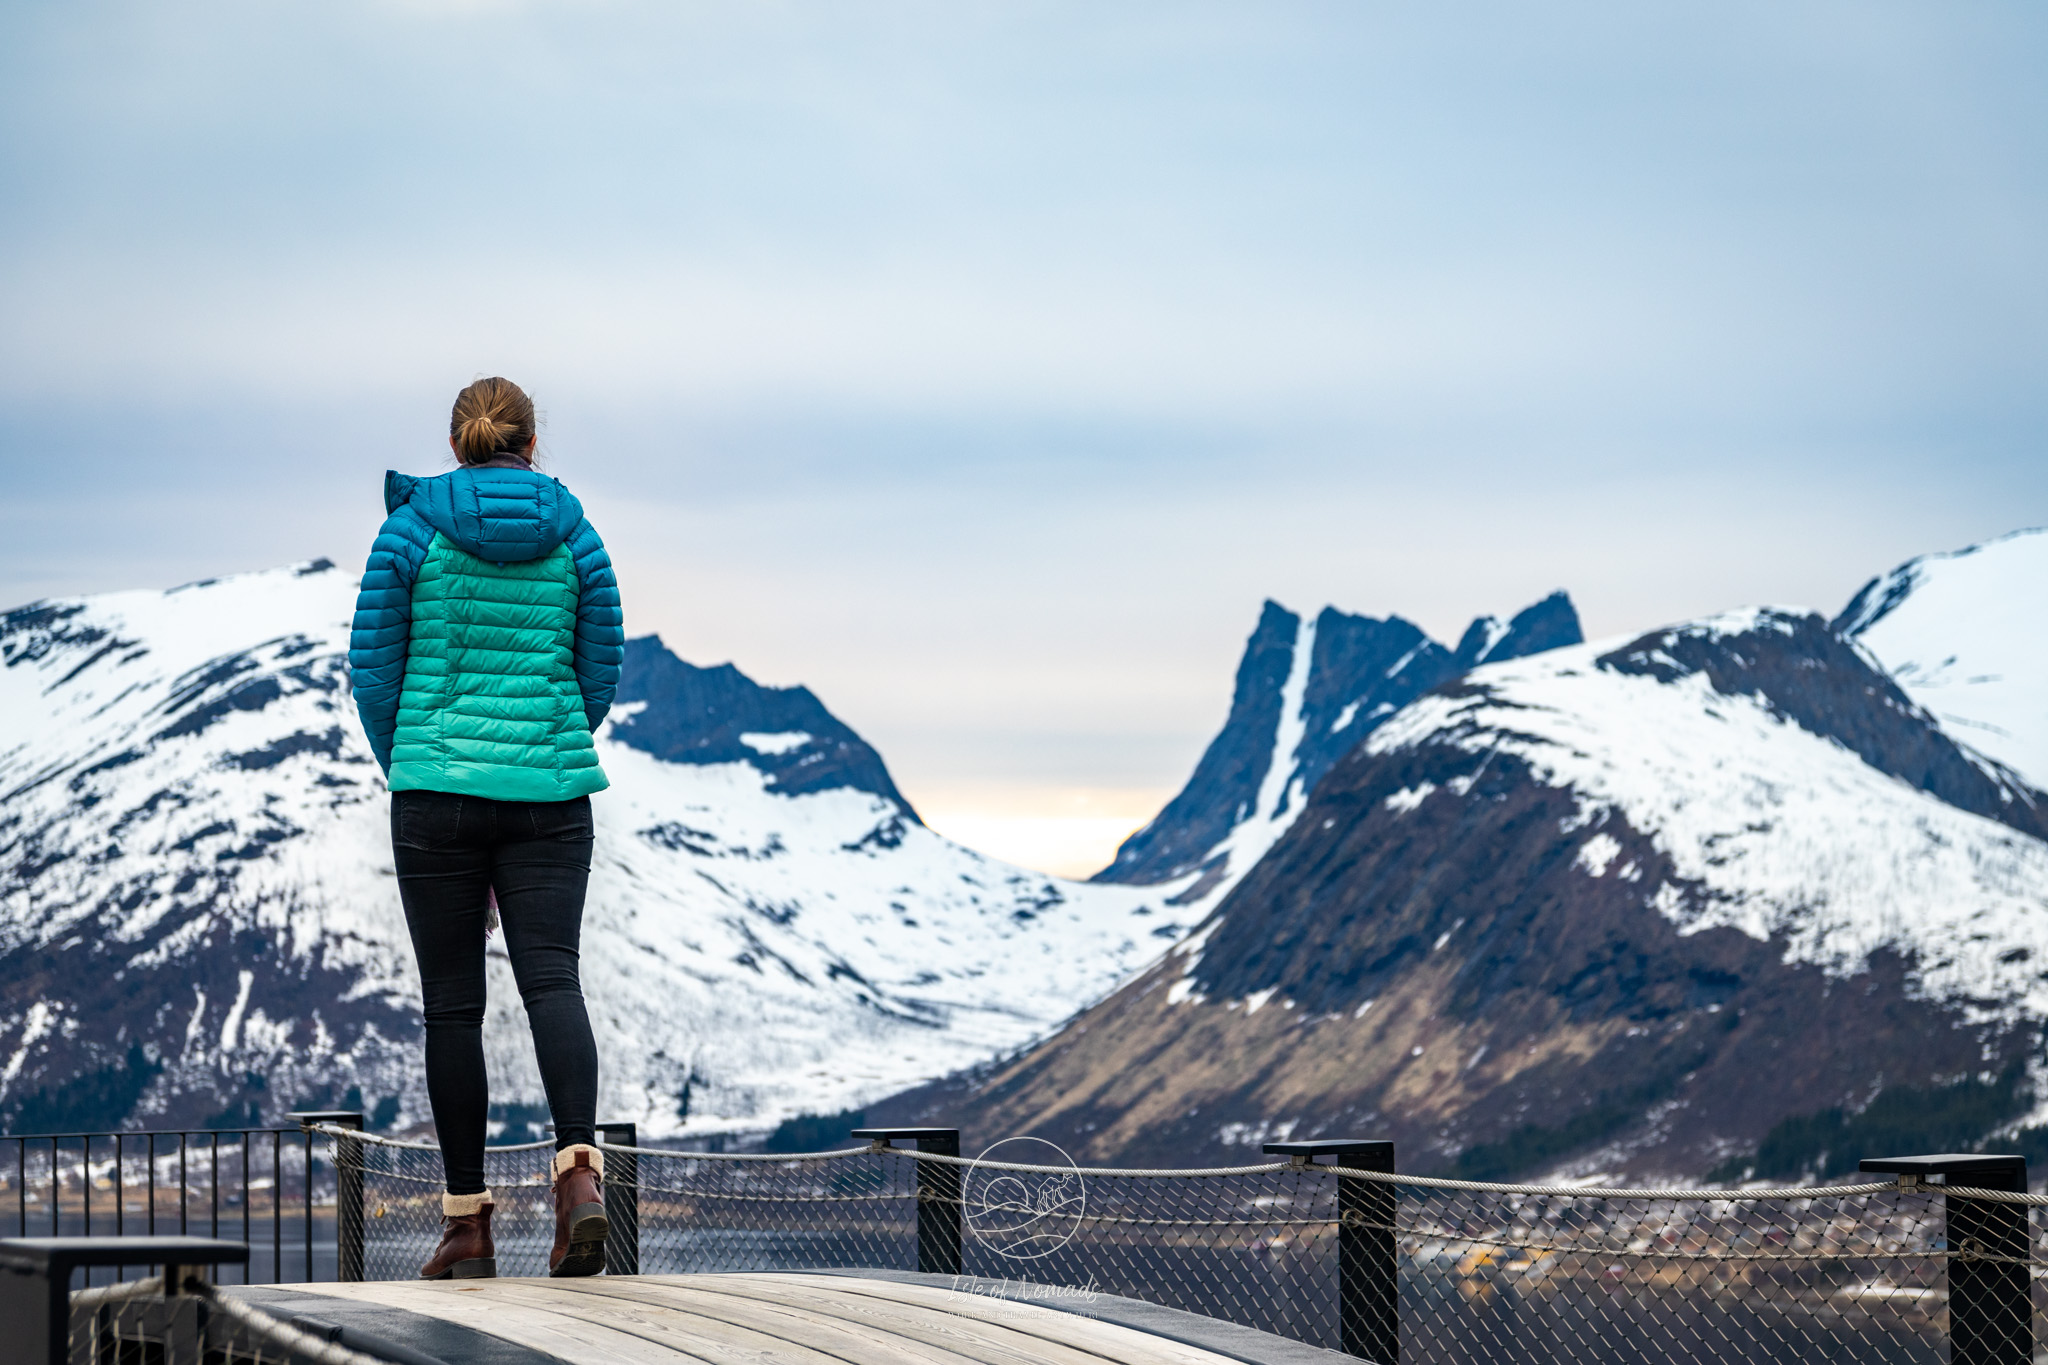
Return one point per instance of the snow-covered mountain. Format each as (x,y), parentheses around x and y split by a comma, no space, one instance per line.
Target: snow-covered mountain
(1308,691)
(1965,635)
(198,914)
(1721,898)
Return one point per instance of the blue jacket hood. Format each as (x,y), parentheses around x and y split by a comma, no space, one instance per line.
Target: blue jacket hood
(505,515)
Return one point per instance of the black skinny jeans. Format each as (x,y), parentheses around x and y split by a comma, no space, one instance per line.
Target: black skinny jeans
(449,850)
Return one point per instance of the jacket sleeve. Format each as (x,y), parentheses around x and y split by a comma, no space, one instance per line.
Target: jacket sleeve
(383,625)
(600,624)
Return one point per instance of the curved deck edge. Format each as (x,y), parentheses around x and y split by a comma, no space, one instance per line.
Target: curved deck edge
(1246,1344)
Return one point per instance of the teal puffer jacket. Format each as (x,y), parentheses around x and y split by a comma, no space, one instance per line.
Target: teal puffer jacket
(487,637)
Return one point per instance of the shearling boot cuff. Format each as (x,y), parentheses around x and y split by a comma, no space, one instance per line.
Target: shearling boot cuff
(463,1205)
(579,1155)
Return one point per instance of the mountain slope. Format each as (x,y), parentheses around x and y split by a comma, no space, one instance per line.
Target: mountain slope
(1962,634)
(1306,693)
(197,910)
(1612,907)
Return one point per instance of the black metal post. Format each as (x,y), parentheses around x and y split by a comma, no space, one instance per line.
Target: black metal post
(1990,1309)
(35,1282)
(1368,1276)
(621,1199)
(348,1191)
(277,1206)
(940,1208)
(248,1199)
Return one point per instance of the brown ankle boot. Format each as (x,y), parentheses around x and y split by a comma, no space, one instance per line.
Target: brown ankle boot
(580,1224)
(466,1251)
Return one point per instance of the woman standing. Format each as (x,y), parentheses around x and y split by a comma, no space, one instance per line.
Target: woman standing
(485,652)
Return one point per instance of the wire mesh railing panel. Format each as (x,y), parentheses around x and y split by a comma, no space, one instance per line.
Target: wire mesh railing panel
(248,1185)
(1257,1248)
(402,1185)
(1587,1278)
(826,1212)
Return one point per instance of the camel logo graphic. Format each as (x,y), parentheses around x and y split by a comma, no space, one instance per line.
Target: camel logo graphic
(1023,1198)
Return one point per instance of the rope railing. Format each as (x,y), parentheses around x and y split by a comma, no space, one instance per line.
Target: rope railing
(269,1339)
(1704,1193)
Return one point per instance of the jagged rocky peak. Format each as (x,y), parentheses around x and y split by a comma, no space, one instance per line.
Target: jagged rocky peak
(1308,691)
(681,713)
(1549,624)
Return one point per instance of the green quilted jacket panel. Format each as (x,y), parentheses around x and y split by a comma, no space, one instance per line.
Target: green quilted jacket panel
(491,706)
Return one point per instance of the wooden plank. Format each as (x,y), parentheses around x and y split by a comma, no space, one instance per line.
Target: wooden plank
(907,1328)
(541,1329)
(1111,1341)
(662,1325)
(771,1319)
(863,1341)
(982,1342)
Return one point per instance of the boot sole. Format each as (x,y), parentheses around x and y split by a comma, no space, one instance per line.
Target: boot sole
(588,1228)
(476,1268)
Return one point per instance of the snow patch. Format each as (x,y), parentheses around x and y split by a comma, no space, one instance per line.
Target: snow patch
(781,742)
(231,1028)
(1408,798)
(1596,853)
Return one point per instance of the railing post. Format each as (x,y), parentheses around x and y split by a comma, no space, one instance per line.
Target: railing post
(1990,1306)
(621,1199)
(1368,1276)
(939,1205)
(348,1190)
(35,1283)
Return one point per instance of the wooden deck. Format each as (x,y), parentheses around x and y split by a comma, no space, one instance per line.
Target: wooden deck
(749,1319)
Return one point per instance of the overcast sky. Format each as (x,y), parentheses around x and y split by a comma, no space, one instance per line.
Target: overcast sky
(984,366)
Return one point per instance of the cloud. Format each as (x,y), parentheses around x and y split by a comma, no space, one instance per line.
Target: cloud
(984,366)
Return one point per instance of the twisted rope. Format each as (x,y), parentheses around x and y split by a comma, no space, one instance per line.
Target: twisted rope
(303,1344)
(117,1293)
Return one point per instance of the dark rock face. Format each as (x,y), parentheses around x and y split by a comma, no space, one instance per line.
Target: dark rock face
(1361,670)
(1549,624)
(1226,781)
(1426,956)
(698,715)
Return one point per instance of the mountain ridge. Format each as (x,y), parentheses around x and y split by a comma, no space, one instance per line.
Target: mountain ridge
(198,918)
(1653,907)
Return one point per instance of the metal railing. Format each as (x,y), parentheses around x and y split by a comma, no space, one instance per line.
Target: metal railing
(1328,1244)
(263,1185)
